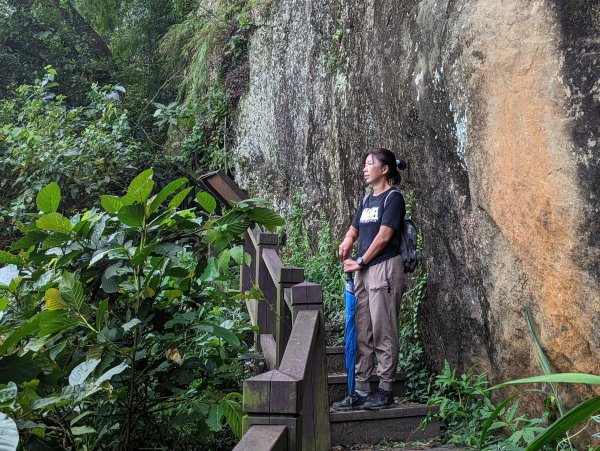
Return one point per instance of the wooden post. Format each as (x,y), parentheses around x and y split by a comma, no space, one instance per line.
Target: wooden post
(265,317)
(264,438)
(288,277)
(315,409)
(247,275)
(270,398)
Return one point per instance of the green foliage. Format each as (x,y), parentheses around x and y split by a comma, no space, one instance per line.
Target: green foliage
(210,29)
(319,265)
(544,363)
(111,332)
(34,33)
(209,48)
(411,355)
(577,415)
(464,404)
(204,145)
(44,142)
(473,420)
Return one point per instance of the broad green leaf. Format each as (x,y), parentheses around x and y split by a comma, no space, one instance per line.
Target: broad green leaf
(29,327)
(266,217)
(101,314)
(112,372)
(80,373)
(54,300)
(140,255)
(213,420)
(8,395)
(568,378)
(30,239)
(72,290)
(18,369)
(35,344)
(48,199)
(237,253)
(51,322)
(206,201)
(220,332)
(46,402)
(55,240)
(140,188)
(148,292)
(110,284)
(235,223)
(131,324)
(8,258)
(569,420)
(111,204)
(54,222)
(132,215)
(232,407)
(82,430)
(226,335)
(7,274)
(179,198)
(166,192)
(223,260)
(99,255)
(9,435)
(67,258)
(210,272)
(3,303)
(81,416)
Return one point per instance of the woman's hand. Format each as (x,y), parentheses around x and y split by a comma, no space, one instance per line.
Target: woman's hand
(345,248)
(351,265)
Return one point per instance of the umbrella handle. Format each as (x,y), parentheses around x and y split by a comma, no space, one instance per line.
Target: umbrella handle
(349,276)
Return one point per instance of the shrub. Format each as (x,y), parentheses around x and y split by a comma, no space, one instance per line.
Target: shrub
(112,334)
(85,150)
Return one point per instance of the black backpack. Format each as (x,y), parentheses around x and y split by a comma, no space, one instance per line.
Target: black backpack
(408,240)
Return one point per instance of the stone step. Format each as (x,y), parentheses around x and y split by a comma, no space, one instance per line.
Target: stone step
(338,383)
(335,359)
(399,423)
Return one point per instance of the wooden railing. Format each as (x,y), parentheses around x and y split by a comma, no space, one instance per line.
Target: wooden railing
(292,338)
(285,408)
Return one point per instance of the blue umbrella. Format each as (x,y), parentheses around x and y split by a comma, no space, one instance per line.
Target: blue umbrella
(350,299)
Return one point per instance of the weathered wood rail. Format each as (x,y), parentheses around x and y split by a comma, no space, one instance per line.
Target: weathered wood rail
(287,407)
(293,393)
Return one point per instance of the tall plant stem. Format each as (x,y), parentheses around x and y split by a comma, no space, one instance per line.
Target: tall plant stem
(138,286)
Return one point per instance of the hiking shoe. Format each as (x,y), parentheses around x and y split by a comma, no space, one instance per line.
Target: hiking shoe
(353,402)
(379,399)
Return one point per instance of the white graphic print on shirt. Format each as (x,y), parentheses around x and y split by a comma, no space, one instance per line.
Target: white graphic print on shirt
(370,215)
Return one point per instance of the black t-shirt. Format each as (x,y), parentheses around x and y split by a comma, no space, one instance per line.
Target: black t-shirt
(371,214)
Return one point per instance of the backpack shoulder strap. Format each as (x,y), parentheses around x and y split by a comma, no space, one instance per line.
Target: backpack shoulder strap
(388,195)
(365,200)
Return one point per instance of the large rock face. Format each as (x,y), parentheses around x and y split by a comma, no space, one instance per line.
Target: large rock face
(496,107)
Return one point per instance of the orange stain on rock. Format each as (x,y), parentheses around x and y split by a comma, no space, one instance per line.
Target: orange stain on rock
(529,183)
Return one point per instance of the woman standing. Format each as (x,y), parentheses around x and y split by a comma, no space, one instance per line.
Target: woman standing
(379,280)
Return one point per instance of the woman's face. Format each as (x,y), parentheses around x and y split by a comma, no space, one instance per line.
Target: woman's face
(374,171)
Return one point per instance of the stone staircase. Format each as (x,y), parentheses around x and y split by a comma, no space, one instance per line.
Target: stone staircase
(399,423)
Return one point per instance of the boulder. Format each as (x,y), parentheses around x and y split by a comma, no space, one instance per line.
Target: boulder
(496,107)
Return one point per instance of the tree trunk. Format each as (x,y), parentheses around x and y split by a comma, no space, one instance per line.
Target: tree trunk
(70,15)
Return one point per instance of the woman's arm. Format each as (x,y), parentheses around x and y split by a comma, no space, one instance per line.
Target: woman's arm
(346,245)
(381,240)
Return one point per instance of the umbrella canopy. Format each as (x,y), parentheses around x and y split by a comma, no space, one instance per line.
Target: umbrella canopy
(350,299)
